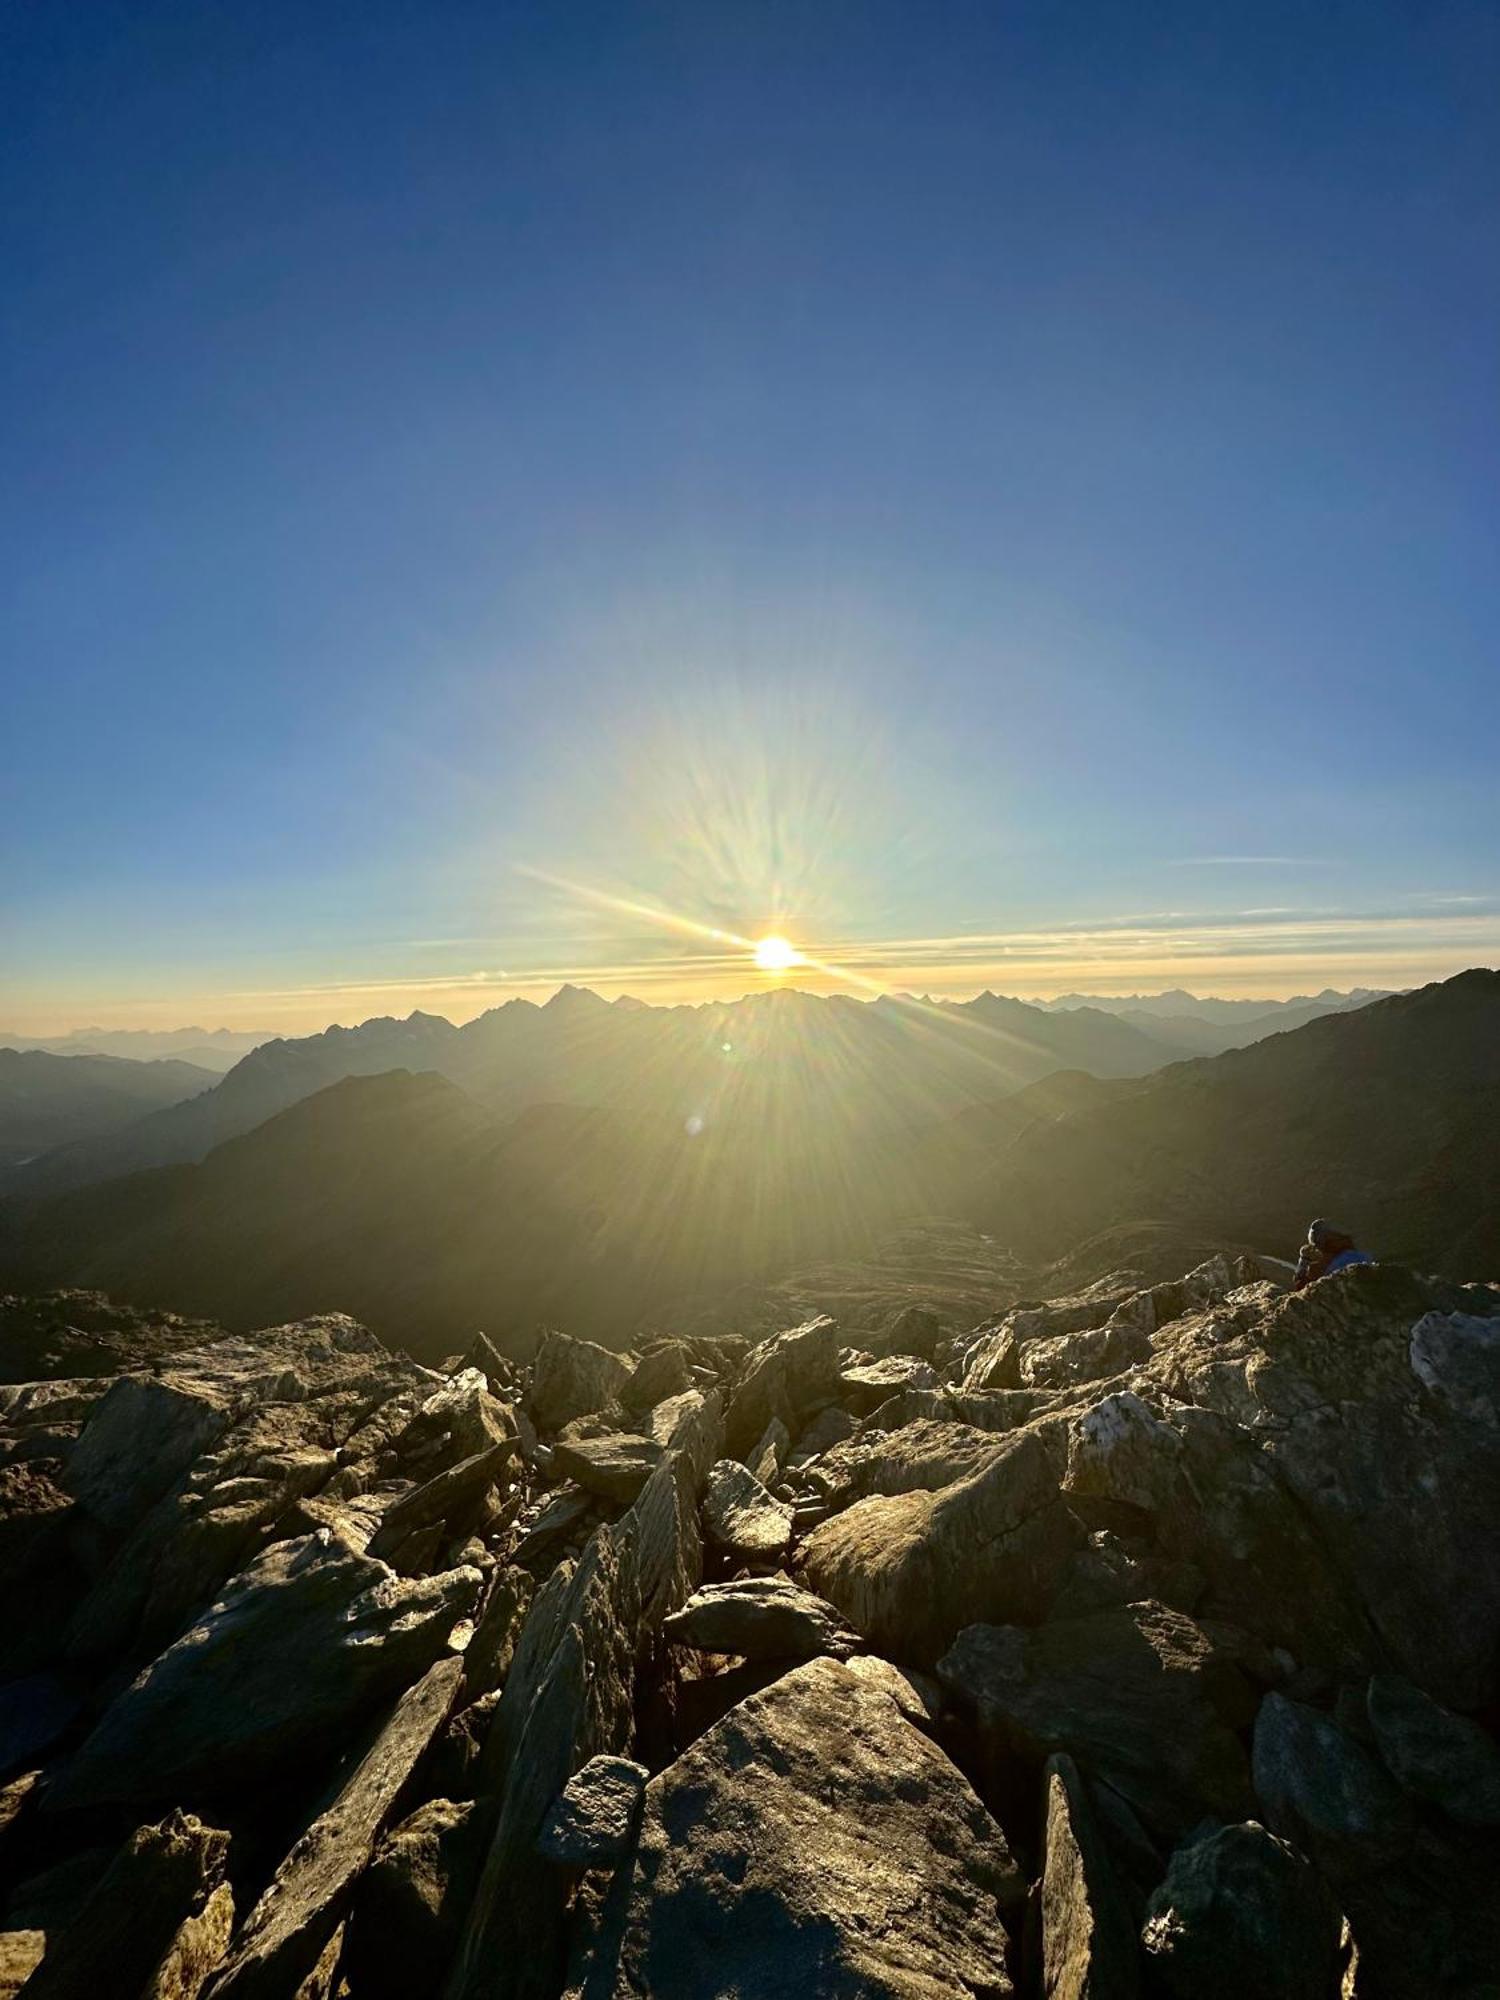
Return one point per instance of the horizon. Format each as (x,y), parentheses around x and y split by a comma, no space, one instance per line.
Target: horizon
(501,499)
(732,998)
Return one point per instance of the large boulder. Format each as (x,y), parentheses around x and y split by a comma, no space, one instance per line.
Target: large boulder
(812,1841)
(1242,1915)
(615,1466)
(1326,1792)
(783,1377)
(1143,1698)
(909,1570)
(1442,1758)
(572,1378)
(760,1618)
(741,1517)
(301,1645)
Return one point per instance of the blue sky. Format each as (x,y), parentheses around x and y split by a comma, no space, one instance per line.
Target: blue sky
(1003,493)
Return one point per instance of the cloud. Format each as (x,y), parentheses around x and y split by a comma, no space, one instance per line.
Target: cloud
(1250,861)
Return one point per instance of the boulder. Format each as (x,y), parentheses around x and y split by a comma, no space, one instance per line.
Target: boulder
(783,1377)
(760,1618)
(828,1428)
(1442,1758)
(287,1931)
(661,1372)
(162,1877)
(1143,1698)
(407,1912)
(909,1570)
(455,1422)
(449,1500)
(740,1516)
(138,1441)
(922,1456)
(572,1378)
(910,1329)
(811,1842)
(1088,1942)
(301,1646)
(615,1466)
(1241,1915)
(1325,1792)
(593,1821)
(865,1388)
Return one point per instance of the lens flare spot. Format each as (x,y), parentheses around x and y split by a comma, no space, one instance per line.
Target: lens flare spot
(776,954)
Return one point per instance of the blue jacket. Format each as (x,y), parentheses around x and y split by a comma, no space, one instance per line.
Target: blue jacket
(1344,1259)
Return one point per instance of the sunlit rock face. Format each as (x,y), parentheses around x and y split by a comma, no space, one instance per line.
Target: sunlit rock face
(1168,1612)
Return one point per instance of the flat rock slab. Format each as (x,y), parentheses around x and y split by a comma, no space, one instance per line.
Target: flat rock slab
(287,1931)
(760,1618)
(615,1467)
(1140,1697)
(812,1842)
(1088,1940)
(741,1517)
(309,1639)
(594,1820)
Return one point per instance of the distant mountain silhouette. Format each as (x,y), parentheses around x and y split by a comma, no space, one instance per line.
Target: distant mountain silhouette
(210,1048)
(429,1211)
(910,1062)
(47,1101)
(1382,1118)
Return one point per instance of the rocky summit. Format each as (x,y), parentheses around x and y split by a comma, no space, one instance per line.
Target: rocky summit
(1140,1642)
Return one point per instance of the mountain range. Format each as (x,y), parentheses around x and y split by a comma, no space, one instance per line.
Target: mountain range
(210,1048)
(900,1063)
(48,1101)
(810,1132)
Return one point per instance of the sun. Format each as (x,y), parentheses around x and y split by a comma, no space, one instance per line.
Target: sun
(776,954)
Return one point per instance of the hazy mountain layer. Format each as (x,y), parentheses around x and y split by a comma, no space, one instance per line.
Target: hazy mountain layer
(881,1065)
(427,1210)
(211,1048)
(48,1101)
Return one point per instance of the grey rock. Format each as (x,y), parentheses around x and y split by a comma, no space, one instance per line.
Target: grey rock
(740,1516)
(1456,1357)
(910,1569)
(924,1455)
(593,1822)
(917,1696)
(1143,1698)
(570,1697)
(760,1618)
(491,1647)
(449,1499)
(770,1455)
(286,1933)
(828,1428)
(1241,1915)
(1443,1758)
(140,1439)
(1088,1943)
(615,1466)
(911,1329)
(658,1374)
(308,1639)
(864,1388)
(407,1913)
(811,1842)
(572,1378)
(162,1877)
(783,1377)
(1327,1794)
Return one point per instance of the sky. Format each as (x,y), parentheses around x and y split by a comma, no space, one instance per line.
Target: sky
(1002,495)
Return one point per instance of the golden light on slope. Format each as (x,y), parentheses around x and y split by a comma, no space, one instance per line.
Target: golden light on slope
(776,954)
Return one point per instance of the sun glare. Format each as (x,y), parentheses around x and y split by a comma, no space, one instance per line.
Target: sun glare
(775,954)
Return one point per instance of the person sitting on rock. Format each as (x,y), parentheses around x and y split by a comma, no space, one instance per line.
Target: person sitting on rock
(1326,1250)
